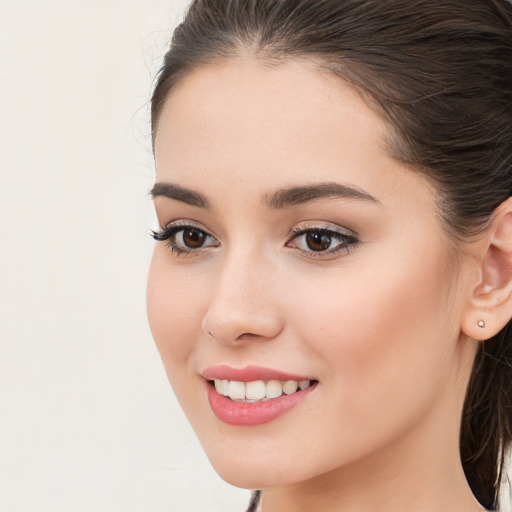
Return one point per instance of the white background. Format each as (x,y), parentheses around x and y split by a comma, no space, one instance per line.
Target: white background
(88,421)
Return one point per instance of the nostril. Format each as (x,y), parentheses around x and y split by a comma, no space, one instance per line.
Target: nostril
(246,335)
(237,325)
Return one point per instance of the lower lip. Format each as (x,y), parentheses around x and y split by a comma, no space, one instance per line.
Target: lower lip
(256,413)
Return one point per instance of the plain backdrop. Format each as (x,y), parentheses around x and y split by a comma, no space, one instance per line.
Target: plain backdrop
(88,421)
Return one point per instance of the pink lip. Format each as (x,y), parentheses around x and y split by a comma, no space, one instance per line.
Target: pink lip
(250,414)
(249,373)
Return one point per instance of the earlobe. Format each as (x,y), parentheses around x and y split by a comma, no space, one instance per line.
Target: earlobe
(491,299)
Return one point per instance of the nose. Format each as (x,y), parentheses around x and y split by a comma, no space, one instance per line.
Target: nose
(244,303)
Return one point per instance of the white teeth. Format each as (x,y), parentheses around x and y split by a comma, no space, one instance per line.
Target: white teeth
(236,390)
(222,386)
(274,389)
(290,386)
(304,384)
(257,390)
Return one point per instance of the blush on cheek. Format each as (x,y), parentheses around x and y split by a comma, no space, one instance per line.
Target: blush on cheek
(170,314)
(169,331)
(377,322)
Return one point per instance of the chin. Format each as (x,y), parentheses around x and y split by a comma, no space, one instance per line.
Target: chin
(250,468)
(246,475)
(258,467)
(249,480)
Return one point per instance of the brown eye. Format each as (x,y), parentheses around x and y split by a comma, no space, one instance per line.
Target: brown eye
(193,238)
(185,239)
(323,242)
(317,241)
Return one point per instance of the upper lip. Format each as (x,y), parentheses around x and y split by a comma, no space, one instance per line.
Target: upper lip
(249,373)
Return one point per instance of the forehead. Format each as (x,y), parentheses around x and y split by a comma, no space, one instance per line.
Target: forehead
(245,115)
(245,127)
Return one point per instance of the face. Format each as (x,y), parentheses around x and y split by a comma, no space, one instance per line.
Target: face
(294,248)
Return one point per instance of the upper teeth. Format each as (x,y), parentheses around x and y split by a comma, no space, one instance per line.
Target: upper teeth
(258,389)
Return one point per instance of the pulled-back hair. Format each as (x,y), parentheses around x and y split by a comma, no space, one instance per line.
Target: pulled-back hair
(439,72)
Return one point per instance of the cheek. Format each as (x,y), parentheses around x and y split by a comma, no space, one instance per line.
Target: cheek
(381,330)
(174,311)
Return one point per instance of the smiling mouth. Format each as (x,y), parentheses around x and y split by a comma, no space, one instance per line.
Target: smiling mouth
(258,390)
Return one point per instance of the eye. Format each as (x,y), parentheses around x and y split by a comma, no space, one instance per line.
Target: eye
(185,239)
(322,242)
(190,238)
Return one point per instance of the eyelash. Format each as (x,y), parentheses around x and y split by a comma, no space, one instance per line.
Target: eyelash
(347,241)
(168,233)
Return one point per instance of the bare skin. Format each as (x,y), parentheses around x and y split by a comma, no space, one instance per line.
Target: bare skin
(382,315)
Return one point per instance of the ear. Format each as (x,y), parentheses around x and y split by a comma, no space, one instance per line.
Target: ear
(490,306)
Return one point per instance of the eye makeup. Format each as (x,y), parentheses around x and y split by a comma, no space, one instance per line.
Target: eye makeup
(322,241)
(186,238)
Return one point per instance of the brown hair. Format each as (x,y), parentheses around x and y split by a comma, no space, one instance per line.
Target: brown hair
(440,73)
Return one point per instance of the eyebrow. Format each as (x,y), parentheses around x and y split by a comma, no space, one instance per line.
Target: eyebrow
(294,196)
(185,195)
(283,198)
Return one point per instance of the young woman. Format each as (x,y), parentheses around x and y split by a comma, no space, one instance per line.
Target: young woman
(331,291)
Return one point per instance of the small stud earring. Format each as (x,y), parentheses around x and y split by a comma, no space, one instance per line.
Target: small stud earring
(481,323)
